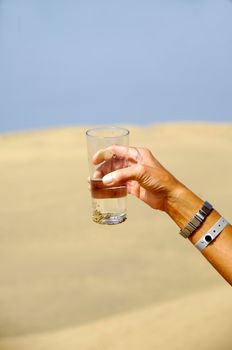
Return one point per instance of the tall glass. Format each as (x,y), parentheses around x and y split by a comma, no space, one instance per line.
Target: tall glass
(109,203)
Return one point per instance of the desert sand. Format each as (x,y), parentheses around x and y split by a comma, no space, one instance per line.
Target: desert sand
(68,283)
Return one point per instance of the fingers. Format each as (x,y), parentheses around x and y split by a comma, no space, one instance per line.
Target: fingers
(108,166)
(122,152)
(135,172)
(102,155)
(133,187)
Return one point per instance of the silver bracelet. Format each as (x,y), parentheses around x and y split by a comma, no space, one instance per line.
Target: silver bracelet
(208,237)
(197,220)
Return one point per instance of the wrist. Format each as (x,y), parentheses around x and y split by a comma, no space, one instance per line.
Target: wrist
(182,204)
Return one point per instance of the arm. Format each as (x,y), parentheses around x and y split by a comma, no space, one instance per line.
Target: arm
(219,252)
(148,180)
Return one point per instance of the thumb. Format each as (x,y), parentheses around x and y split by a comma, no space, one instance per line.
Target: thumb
(135,172)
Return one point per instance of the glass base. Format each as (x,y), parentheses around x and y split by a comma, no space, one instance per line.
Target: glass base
(108,218)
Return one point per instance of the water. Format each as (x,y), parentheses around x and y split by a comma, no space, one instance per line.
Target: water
(109,203)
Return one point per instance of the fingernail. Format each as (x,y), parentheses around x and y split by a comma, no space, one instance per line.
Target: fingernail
(107,179)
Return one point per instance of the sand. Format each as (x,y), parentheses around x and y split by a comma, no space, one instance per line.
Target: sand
(72,284)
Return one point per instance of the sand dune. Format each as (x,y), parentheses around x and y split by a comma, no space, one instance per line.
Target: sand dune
(202,320)
(72,284)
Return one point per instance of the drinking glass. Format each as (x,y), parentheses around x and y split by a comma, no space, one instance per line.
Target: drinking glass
(108,202)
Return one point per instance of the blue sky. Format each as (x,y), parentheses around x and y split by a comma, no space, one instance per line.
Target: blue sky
(65,62)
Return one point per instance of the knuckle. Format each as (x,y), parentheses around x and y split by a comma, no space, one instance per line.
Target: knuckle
(147,151)
(142,169)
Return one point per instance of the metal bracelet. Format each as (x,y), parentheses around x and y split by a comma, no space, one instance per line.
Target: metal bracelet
(209,237)
(197,220)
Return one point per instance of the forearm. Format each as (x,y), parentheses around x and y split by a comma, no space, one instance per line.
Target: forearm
(148,180)
(181,208)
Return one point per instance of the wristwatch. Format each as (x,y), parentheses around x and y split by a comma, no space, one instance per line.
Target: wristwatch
(197,220)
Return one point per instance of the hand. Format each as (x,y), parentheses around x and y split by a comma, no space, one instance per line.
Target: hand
(146,178)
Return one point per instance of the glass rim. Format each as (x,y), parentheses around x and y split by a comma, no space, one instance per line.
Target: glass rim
(125,132)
